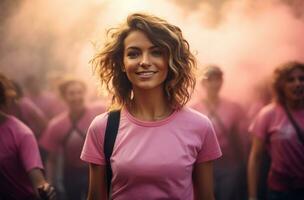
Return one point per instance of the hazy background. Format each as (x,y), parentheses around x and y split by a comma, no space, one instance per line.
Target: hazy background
(247,38)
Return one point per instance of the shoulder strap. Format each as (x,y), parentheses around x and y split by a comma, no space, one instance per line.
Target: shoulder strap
(109,141)
(295,124)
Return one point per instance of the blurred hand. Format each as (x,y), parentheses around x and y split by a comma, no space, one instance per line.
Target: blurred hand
(47,192)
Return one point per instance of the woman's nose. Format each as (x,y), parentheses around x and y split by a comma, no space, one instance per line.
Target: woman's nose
(145,61)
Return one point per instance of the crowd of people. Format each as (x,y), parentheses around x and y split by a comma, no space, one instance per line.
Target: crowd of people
(150,142)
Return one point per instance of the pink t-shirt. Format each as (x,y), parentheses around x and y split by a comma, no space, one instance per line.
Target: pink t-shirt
(26,111)
(154,160)
(230,116)
(49,104)
(18,155)
(53,139)
(286,151)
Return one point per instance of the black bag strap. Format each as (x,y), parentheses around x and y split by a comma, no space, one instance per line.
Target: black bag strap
(109,141)
(299,131)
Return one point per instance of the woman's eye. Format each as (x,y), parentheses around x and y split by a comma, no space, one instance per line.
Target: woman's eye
(157,53)
(133,54)
(289,79)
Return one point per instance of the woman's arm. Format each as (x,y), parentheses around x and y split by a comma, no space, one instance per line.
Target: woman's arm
(254,165)
(39,183)
(203,181)
(51,167)
(97,183)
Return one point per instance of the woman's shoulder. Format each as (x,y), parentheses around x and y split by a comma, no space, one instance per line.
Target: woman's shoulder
(100,121)
(270,109)
(15,126)
(193,116)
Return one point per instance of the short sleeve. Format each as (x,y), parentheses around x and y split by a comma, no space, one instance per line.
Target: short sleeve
(259,127)
(29,152)
(92,151)
(210,149)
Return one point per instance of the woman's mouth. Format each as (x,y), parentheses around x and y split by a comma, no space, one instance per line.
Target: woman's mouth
(146,74)
(299,91)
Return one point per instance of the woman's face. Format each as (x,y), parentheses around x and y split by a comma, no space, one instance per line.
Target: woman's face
(213,84)
(145,64)
(294,85)
(74,95)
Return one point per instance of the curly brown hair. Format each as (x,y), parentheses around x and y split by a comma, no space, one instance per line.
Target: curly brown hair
(280,76)
(108,63)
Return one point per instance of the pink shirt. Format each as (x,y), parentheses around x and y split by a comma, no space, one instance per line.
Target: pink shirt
(232,117)
(154,160)
(287,153)
(26,111)
(49,104)
(59,127)
(19,154)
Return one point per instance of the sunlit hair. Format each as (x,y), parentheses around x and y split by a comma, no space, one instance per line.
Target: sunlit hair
(281,75)
(66,82)
(108,63)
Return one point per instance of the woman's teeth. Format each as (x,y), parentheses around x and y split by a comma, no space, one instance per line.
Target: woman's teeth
(145,74)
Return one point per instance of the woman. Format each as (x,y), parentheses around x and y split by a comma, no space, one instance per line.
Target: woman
(21,175)
(148,67)
(65,136)
(275,132)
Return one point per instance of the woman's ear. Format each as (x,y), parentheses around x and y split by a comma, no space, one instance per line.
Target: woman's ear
(123,69)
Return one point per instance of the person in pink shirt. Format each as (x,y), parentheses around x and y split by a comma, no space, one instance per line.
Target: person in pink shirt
(65,136)
(26,111)
(278,129)
(21,176)
(229,121)
(163,149)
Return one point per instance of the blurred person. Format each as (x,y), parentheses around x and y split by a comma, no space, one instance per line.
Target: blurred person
(46,100)
(163,149)
(26,111)
(278,129)
(229,120)
(21,176)
(65,136)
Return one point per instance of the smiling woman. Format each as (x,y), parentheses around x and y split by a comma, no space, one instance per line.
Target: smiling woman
(278,129)
(148,68)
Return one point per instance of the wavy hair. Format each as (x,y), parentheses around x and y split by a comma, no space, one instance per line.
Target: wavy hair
(108,63)
(280,76)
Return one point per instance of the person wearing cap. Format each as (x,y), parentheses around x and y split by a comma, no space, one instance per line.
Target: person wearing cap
(226,117)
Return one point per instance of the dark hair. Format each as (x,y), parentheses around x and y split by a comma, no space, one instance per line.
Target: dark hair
(66,82)
(5,84)
(2,94)
(281,73)
(180,80)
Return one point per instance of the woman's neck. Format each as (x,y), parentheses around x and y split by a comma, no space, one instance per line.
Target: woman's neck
(76,114)
(3,117)
(150,105)
(212,100)
(295,105)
